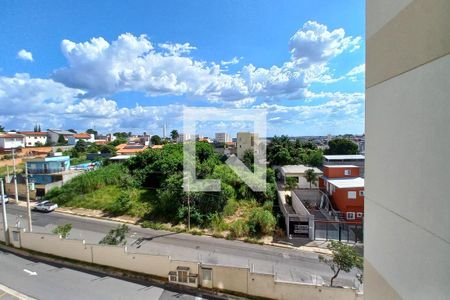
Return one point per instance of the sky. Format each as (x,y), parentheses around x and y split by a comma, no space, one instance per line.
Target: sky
(134,65)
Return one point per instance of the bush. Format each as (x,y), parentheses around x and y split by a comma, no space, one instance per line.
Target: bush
(239,228)
(217,223)
(252,240)
(196,232)
(231,207)
(217,235)
(63,230)
(121,205)
(261,221)
(116,236)
(154,225)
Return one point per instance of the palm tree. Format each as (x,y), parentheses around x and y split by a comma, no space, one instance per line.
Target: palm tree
(291,184)
(311,177)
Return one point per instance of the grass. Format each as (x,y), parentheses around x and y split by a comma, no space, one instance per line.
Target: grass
(19,168)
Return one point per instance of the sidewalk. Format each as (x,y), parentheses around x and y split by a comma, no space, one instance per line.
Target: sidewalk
(9,294)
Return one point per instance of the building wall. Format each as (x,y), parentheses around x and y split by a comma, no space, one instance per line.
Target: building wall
(8,143)
(344,204)
(246,141)
(340,172)
(358,163)
(31,140)
(407,236)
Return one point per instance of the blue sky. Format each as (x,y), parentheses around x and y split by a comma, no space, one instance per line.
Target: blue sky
(303,61)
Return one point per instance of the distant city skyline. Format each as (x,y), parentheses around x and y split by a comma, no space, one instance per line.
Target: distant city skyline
(116,68)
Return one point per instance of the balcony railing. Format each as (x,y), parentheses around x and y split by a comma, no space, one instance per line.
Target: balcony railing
(45,171)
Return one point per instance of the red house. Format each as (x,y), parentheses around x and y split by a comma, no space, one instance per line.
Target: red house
(345,189)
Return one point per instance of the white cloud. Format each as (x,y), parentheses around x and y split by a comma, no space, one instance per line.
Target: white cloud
(131,63)
(25,55)
(233,61)
(313,43)
(177,49)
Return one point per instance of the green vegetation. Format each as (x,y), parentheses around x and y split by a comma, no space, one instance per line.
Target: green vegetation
(311,177)
(63,230)
(149,186)
(342,147)
(284,151)
(343,258)
(116,236)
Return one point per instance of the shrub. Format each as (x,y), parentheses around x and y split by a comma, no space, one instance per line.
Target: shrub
(231,207)
(239,228)
(261,221)
(63,230)
(116,236)
(154,225)
(122,204)
(252,240)
(217,235)
(196,232)
(217,223)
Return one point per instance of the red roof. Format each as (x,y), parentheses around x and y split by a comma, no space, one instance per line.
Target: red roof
(11,135)
(33,133)
(82,136)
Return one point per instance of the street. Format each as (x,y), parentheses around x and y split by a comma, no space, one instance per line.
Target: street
(287,264)
(50,281)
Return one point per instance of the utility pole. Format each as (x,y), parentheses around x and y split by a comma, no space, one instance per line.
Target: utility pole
(189,207)
(5,220)
(30,227)
(16,193)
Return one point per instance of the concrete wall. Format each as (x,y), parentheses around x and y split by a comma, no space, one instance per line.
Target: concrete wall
(407,236)
(227,278)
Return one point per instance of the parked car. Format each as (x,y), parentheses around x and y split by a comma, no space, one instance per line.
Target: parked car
(5,198)
(46,206)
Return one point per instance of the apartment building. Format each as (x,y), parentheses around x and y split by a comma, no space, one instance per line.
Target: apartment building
(246,141)
(222,137)
(352,159)
(406,230)
(11,140)
(73,139)
(53,135)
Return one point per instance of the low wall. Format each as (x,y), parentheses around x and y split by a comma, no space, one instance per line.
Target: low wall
(228,278)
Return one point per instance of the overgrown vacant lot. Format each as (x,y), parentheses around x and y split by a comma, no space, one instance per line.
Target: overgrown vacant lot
(149,186)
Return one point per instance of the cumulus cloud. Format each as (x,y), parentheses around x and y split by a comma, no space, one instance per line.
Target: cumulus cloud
(233,61)
(25,55)
(131,63)
(313,43)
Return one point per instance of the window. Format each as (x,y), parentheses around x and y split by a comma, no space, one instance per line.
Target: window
(361,193)
(351,195)
(350,215)
(347,172)
(359,215)
(192,279)
(183,276)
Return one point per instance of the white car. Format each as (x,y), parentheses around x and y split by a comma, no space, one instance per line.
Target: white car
(5,197)
(46,206)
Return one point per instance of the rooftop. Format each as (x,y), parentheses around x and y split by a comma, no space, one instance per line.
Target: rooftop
(58,131)
(345,157)
(11,135)
(341,166)
(343,183)
(298,169)
(82,135)
(40,133)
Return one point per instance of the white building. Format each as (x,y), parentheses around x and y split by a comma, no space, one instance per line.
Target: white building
(222,137)
(298,171)
(11,140)
(407,207)
(31,138)
(73,139)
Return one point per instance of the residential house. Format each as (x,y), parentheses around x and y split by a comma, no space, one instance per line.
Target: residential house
(73,139)
(11,140)
(246,141)
(345,189)
(130,148)
(298,171)
(31,138)
(357,160)
(53,135)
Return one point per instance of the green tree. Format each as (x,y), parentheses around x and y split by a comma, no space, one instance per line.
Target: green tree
(249,158)
(343,258)
(341,147)
(2,129)
(156,140)
(116,236)
(38,144)
(61,140)
(315,158)
(121,135)
(311,177)
(63,230)
(81,146)
(92,131)
(174,135)
(107,149)
(291,183)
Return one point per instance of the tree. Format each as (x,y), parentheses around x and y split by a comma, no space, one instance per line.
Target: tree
(61,140)
(81,146)
(108,149)
(249,158)
(122,135)
(2,129)
(174,135)
(38,144)
(341,147)
(63,230)
(116,236)
(92,131)
(311,177)
(291,183)
(156,140)
(343,258)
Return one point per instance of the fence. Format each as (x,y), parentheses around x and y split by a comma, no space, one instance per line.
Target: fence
(240,280)
(338,230)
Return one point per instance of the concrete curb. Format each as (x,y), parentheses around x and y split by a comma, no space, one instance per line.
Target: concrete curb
(14,293)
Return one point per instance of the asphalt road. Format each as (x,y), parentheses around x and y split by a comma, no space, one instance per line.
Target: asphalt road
(287,264)
(51,281)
